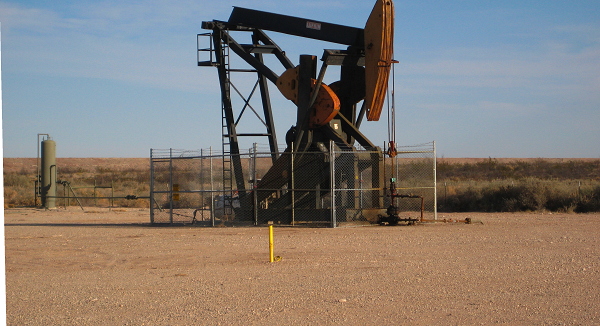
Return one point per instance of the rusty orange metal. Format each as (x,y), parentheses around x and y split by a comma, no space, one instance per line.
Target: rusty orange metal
(379,44)
(325,108)
(326,105)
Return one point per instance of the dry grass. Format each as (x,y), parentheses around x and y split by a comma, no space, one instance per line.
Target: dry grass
(126,176)
(464,184)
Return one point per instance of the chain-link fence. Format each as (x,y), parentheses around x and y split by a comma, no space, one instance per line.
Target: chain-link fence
(414,168)
(323,188)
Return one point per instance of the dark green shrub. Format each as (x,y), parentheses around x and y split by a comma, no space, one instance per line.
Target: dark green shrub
(519,196)
(466,201)
(560,198)
(528,196)
(590,203)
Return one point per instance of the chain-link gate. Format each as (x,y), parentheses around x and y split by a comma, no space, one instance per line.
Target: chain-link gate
(414,169)
(331,188)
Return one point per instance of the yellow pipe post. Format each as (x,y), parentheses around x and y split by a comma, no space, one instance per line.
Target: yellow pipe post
(271,257)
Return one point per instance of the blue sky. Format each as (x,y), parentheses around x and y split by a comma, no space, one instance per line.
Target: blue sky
(115,78)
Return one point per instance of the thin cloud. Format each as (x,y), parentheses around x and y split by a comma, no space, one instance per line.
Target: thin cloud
(551,69)
(102,44)
(150,42)
(16,19)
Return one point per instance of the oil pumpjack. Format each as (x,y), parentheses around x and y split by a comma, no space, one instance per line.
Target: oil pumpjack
(326,114)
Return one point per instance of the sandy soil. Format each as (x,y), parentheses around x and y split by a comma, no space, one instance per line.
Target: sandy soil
(112,268)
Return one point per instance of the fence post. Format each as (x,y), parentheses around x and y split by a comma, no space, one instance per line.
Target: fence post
(151,188)
(293,186)
(202,182)
(212,189)
(434,182)
(332,178)
(171,185)
(254,185)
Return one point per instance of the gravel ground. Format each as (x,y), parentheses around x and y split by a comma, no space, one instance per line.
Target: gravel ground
(112,268)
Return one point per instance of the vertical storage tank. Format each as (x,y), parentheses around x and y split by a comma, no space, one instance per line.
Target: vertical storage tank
(48,174)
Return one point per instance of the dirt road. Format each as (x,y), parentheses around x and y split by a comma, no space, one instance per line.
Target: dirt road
(112,268)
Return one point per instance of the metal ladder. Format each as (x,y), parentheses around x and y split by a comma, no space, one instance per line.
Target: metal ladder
(227,165)
(227,161)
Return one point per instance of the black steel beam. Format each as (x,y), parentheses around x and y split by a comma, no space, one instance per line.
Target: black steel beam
(279,53)
(297,26)
(337,138)
(342,58)
(307,72)
(228,111)
(266,102)
(354,132)
(257,48)
(249,58)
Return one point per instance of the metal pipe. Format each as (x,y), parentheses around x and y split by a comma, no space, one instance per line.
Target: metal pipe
(212,189)
(434,182)
(38,182)
(293,186)
(254,184)
(201,182)
(151,188)
(171,185)
(315,92)
(467,220)
(332,174)
(129,197)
